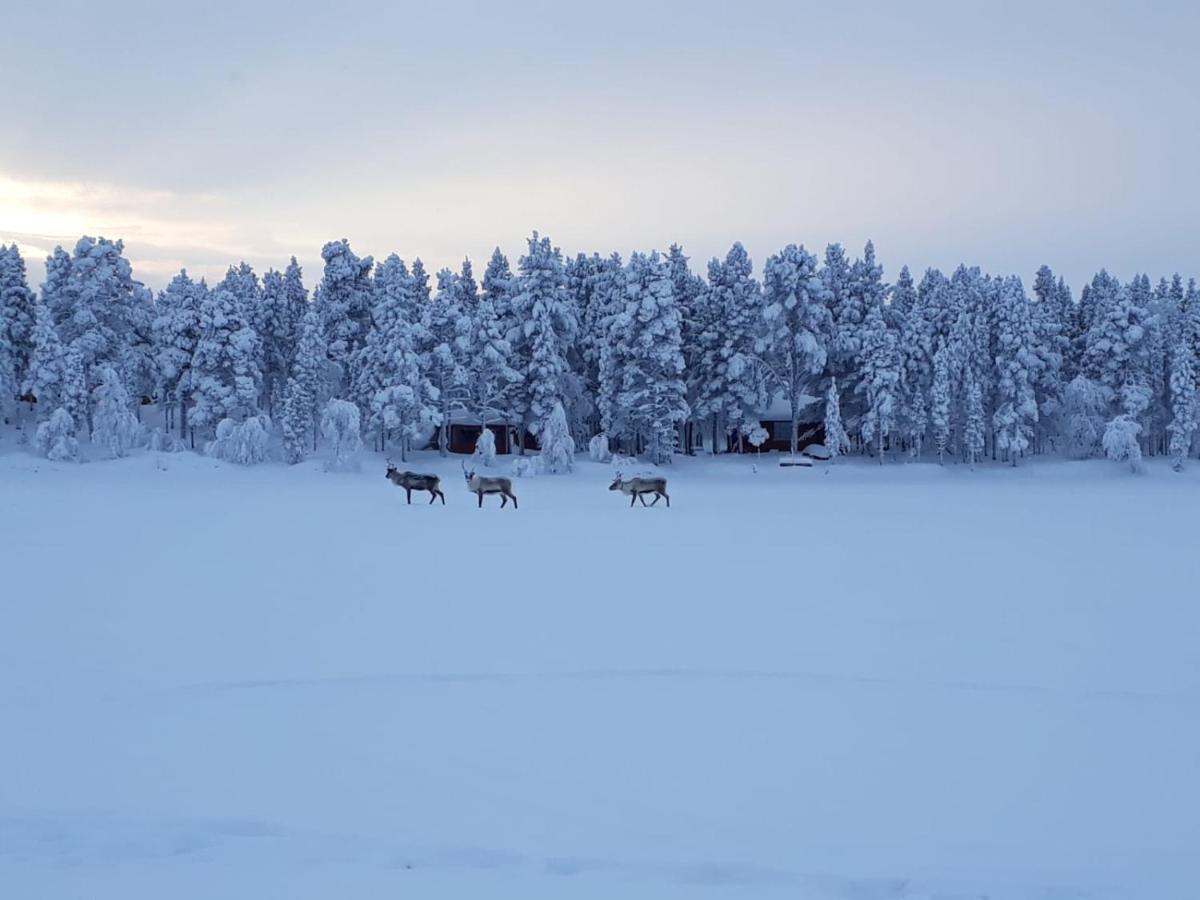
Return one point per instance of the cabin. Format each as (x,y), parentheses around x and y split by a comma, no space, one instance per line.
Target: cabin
(776,420)
(464,431)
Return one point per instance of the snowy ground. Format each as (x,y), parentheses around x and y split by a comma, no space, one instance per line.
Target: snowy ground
(846,684)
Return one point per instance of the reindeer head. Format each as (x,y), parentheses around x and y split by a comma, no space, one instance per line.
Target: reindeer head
(390,470)
(616,485)
(467,475)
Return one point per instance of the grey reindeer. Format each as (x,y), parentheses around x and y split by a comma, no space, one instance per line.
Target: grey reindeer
(637,488)
(479,486)
(412,481)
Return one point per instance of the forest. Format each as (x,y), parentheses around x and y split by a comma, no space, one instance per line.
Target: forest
(641,356)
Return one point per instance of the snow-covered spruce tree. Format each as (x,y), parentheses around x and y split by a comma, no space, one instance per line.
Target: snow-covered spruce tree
(309,371)
(115,428)
(277,331)
(974,428)
(842,346)
(176,331)
(493,382)
(695,313)
(58,291)
(904,293)
(798,326)
(17,317)
(344,302)
(1117,353)
(296,422)
(879,351)
(394,381)
(138,358)
(244,443)
(558,447)
(97,305)
(55,438)
(651,368)
(940,420)
(342,428)
(733,377)
(1183,400)
(836,439)
(45,377)
(447,333)
(1017,367)
(74,397)
(605,348)
(224,373)
(546,326)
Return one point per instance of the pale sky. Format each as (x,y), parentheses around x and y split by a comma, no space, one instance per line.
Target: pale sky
(999,134)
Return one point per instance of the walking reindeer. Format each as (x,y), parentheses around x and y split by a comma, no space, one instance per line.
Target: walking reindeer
(412,481)
(637,488)
(479,486)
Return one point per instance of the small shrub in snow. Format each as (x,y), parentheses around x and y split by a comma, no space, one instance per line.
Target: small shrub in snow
(558,447)
(757,436)
(1121,442)
(55,437)
(527,466)
(598,449)
(342,427)
(485,447)
(244,443)
(114,426)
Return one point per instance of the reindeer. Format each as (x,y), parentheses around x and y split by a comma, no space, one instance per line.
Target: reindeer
(480,486)
(411,481)
(638,487)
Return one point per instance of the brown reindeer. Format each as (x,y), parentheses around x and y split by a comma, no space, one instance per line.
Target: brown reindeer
(498,485)
(411,481)
(637,488)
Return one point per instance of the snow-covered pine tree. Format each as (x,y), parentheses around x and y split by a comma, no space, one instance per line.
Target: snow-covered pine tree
(225,378)
(45,378)
(176,331)
(652,391)
(734,373)
(17,317)
(310,372)
(880,376)
(836,439)
(798,326)
(277,331)
(940,398)
(546,325)
(344,302)
(1017,369)
(558,447)
(115,428)
(1085,406)
(695,314)
(493,381)
(904,293)
(485,447)
(1121,441)
(296,423)
(974,428)
(447,336)
(402,401)
(1117,354)
(1183,399)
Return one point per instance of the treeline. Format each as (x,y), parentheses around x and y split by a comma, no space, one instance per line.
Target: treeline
(640,355)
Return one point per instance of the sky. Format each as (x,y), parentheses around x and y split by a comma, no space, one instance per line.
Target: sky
(1004,135)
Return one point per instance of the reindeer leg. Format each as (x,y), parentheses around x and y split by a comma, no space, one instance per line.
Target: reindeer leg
(443,496)
(514,500)
(655,498)
(632,500)
(503,500)
(432,497)
(408,495)
(479,494)
(667,497)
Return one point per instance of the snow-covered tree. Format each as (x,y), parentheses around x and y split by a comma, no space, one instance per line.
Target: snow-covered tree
(836,439)
(1121,441)
(17,317)
(447,337)
(545,325)
(277,331)
(939,402)
(558,447)
(904,294)
(115,428)
(648,362)
(879,351)
(225,378)
(55,438)
(344,304)
(798,326)
(485,447)
(45,378)
(1085,403)
(244,442)
(1017,365)
(974,428)
(310,378)
(1183,400)
(342,428)
(176,331)
(297,422)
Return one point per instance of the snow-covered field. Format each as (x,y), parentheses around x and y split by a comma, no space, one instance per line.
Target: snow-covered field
(855,683)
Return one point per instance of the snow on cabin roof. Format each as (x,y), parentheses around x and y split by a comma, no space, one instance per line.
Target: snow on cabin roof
(468,418)
(779,410)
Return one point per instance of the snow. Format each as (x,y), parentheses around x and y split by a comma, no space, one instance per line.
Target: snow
(279,682)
